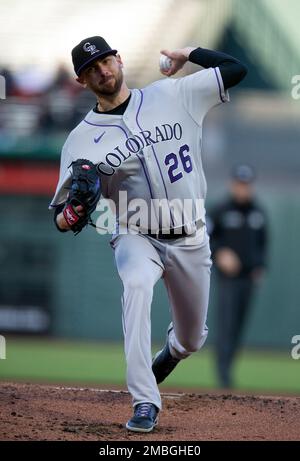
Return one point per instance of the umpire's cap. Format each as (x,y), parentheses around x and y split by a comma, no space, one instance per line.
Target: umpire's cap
(243,173)
(88,50)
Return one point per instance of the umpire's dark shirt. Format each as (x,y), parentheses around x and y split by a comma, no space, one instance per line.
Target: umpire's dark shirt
(241,227)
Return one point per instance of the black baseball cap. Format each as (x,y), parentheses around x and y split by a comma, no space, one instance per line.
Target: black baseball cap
(88,50)
(243,173)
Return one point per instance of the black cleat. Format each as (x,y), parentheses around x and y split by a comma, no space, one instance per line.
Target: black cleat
(163,363)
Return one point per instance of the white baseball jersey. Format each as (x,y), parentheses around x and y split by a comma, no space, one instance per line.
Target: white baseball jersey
(153,150)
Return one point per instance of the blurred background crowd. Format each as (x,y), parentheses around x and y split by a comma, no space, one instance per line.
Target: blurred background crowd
(48,102)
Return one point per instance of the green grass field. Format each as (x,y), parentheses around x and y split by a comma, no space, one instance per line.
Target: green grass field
(102,363)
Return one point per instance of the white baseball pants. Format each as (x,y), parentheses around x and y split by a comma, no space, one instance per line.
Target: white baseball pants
(185,266)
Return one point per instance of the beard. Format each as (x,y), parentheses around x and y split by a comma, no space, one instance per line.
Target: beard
(111,87)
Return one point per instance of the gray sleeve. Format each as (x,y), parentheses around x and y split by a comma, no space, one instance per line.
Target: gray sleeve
(201,91)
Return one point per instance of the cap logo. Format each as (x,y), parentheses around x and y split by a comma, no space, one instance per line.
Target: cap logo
(90,48)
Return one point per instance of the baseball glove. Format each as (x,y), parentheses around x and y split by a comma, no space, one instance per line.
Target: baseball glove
(83,196)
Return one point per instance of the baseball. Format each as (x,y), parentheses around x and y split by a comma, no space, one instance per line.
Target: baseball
(164,62)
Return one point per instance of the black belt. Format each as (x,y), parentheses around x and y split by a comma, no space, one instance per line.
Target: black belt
(174,233)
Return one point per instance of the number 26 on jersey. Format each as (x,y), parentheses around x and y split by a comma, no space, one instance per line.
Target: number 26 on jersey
(176,164)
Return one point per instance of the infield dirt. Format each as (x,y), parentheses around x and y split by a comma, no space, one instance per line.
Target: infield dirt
(41,412)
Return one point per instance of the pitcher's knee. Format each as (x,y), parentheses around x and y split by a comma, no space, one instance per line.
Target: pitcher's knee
(193,345)
(137,282)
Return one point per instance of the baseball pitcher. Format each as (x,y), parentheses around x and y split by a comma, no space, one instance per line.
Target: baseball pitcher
(141,148)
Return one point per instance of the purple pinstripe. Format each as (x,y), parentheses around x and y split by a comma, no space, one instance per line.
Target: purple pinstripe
(161,175)
(116,126)
(127,136)
(219,84)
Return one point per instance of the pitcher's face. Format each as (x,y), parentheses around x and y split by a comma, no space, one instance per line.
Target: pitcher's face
(103,76)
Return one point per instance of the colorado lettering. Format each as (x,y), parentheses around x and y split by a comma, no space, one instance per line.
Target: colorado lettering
(136,143)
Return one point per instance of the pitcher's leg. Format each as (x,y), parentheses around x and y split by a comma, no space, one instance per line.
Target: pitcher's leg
(139,267)
(187,279)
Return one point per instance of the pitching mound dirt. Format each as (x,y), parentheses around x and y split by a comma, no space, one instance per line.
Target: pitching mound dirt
(38,412)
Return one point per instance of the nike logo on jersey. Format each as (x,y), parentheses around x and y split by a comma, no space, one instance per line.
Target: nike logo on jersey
(96,140)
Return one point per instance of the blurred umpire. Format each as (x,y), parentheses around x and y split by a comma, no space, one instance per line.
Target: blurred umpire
(238,242)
